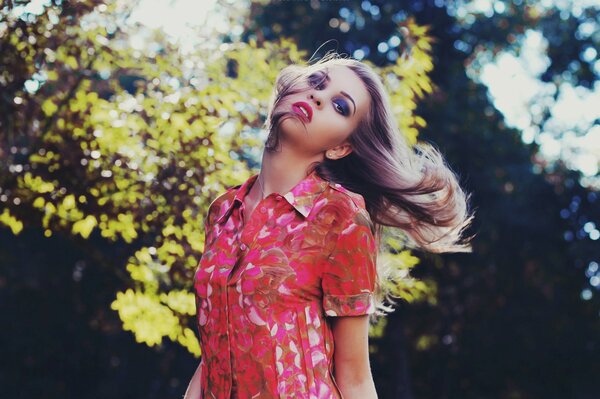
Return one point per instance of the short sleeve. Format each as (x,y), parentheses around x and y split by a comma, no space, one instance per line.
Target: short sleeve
(349,273)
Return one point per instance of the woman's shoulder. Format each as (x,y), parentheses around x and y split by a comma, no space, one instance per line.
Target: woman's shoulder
(221,203)
(346,212)
(340,195)
(342,207)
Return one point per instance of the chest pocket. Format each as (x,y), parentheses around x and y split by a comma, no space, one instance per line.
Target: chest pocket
(263,277)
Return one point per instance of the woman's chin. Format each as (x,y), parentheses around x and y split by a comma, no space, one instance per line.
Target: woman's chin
(293,127)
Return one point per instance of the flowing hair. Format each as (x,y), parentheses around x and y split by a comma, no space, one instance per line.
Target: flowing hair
(408,187)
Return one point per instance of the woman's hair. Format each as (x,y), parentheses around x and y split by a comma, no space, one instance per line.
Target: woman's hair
(408,187)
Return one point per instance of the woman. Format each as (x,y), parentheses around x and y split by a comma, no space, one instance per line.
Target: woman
(288,278)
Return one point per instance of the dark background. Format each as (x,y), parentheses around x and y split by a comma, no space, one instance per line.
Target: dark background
(510,320)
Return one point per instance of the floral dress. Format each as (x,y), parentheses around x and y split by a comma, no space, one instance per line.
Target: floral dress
(264,290)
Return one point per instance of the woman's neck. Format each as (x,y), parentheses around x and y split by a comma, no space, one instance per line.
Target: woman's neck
(282,170)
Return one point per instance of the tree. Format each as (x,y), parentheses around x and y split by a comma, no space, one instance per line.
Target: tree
(496,324)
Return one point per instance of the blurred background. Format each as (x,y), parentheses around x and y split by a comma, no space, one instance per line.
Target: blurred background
(120,121)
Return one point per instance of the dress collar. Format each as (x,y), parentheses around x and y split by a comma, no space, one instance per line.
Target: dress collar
(302,196)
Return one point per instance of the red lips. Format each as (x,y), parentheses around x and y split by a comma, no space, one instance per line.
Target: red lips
(299,106)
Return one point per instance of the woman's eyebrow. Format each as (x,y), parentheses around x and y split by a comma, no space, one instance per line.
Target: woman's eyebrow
(343,92)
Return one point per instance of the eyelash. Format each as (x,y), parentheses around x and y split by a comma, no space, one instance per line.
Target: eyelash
(320,81)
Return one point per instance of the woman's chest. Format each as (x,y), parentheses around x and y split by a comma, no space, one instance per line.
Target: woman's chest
(271,255)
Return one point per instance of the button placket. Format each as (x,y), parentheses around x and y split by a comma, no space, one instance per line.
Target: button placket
(235,270)
(245,243)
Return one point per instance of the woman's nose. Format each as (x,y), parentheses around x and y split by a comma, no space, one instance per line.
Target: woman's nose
(315,99)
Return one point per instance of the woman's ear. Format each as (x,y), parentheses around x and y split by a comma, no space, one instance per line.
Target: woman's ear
(338,151)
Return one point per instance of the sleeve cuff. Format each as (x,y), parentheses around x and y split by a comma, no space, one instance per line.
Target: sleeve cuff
(349,305)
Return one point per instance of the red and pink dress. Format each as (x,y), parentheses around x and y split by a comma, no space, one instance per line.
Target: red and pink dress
(264,290)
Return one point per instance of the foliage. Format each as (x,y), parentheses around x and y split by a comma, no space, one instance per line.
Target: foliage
(117,148)
(132,144)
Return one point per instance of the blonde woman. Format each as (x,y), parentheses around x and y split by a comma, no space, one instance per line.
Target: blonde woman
(288,278)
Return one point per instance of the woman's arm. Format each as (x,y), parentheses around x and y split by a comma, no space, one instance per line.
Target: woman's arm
(193,390)
(351,357)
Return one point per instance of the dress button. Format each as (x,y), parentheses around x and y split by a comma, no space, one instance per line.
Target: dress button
(337,184)
(263,209)
(243,246)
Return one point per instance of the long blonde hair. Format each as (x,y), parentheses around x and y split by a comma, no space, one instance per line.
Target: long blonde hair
(408,187)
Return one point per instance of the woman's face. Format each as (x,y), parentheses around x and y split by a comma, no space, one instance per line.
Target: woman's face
(335,100)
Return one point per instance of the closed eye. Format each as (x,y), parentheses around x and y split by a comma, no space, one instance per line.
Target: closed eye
(317,80)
